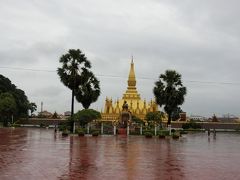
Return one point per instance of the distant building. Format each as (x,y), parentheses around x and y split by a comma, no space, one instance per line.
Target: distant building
(67,113)
(183,116)
(45,114)
(197,118)
(228,119)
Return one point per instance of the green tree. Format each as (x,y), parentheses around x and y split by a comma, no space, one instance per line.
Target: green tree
(21,100)
(154,117)
(8,107)
(85,116)
(32,107)
(74,66)
(89,91)
(169,92)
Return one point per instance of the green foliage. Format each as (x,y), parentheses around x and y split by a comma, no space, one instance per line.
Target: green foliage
(8,107)
(191,125)
(175,135)
(65,132)
(148,134)
(21,100)
(85,116)
(148,130)
(76,75)
(108,128)
(80,131)
(154,117)
(95,133)
(134,132)
(89,91)
(65,125)
(74,63)
(7,104)
(164,133)
(169,92)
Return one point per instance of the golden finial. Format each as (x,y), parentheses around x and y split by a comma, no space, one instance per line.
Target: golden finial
(131,77)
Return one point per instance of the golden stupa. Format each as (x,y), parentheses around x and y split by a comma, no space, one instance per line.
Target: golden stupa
(136,105)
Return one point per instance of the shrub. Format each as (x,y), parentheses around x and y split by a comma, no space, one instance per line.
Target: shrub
(134,132)
(164,133)
(148,130)
(16,125)
(80,132)
(65,132)
(148,134)
(175,135)
(95,133)
(86,116)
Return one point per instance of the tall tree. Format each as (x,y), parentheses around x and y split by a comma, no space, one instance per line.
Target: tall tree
(169,92)
(21,100)
(8,107)
(89,90)
(74,66)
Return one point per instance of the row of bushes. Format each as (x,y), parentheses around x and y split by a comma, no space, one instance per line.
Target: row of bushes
(164,133)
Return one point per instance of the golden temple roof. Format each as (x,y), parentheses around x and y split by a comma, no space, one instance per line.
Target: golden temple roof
(136,105)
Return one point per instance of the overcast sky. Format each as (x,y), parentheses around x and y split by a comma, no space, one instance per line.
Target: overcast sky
(200,39)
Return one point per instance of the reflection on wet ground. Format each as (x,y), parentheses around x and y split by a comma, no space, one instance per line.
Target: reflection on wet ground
(27,153)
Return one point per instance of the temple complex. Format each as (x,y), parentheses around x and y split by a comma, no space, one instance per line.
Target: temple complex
(136,105)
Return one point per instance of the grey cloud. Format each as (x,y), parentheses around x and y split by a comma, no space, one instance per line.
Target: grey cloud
(200,39)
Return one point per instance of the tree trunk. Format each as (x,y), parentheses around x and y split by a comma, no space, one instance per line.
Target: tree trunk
(72,110)
(169,118)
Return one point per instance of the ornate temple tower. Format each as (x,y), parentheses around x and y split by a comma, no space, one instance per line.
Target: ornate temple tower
(137,106)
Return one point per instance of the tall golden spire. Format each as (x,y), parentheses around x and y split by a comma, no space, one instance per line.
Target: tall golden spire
(131,92)
(131,77)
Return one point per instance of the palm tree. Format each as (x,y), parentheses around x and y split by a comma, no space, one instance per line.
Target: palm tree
(169,92)
(88,91)
(74,65)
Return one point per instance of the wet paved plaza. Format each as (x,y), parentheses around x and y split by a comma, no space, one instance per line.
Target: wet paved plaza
(27,153)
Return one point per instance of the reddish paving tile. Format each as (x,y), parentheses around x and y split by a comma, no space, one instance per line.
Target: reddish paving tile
(27,153)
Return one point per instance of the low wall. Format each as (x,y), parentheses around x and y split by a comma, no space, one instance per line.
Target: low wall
(204,125)
(38,121)
(210,125)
